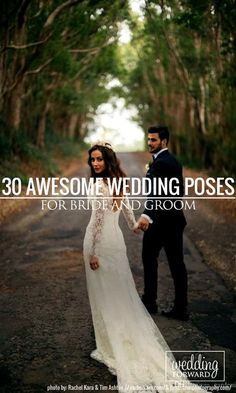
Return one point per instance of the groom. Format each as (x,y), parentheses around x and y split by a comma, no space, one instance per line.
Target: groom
(163,228)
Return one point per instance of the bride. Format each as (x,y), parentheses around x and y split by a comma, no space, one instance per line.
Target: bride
(127,339)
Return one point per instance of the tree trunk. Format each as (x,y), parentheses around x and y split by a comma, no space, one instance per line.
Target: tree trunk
(72,123)
(15,103)
(3,66)
(16,77)
(202,106)
(80,131)
(40,141)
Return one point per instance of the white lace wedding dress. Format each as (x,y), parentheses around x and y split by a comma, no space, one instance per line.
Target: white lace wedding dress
(127,339)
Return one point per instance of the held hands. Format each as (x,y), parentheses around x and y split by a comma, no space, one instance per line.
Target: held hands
(94,262)
(143,223)
(136,229)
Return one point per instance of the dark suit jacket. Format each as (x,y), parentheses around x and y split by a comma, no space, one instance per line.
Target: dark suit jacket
(166,166)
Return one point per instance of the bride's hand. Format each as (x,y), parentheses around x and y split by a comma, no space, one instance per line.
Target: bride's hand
(136,229)
(94,262)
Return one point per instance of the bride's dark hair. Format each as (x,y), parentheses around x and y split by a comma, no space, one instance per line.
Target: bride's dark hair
(112,169)
(112,164)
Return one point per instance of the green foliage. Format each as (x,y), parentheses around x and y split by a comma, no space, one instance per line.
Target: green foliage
(183,75)
(179,69)
(59,146)
(55,68)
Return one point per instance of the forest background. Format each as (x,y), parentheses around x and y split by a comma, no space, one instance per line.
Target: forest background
(57,59)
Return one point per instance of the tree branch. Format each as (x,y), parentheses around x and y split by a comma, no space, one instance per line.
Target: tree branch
(21,74)
(58,10)
(39,69)
(18,77)
(90,50)
(26,45)
(22,12)
(86,63)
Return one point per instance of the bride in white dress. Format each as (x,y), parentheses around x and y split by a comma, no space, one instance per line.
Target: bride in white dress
(127,339)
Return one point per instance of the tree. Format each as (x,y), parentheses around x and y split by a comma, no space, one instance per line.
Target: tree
(54,57)
(184,75)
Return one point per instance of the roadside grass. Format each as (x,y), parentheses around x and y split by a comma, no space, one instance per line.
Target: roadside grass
(26,159)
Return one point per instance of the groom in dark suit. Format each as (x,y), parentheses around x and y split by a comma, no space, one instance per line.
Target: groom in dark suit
(163,225)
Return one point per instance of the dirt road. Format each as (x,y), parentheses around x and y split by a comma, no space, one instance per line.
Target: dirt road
(46,329)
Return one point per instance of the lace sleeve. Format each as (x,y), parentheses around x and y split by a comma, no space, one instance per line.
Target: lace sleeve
(97,229)
(98,204)
(128,213)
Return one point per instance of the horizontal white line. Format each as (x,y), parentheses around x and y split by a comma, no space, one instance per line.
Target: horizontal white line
(111,197)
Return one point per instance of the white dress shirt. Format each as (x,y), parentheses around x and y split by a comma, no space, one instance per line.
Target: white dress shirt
(159,152)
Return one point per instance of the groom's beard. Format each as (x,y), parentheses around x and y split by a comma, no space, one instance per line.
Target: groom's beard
(155,151)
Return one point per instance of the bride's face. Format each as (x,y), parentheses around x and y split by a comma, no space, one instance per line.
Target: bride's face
(97,161)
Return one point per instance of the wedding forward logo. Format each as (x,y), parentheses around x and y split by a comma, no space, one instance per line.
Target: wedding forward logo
(197,366)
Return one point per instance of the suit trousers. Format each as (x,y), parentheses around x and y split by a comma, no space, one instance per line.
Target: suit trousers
(170,237)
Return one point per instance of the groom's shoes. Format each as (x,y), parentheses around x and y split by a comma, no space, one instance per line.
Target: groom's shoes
(174,313)
(151,307)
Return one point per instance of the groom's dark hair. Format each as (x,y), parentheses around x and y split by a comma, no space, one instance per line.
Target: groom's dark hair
(162,131)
